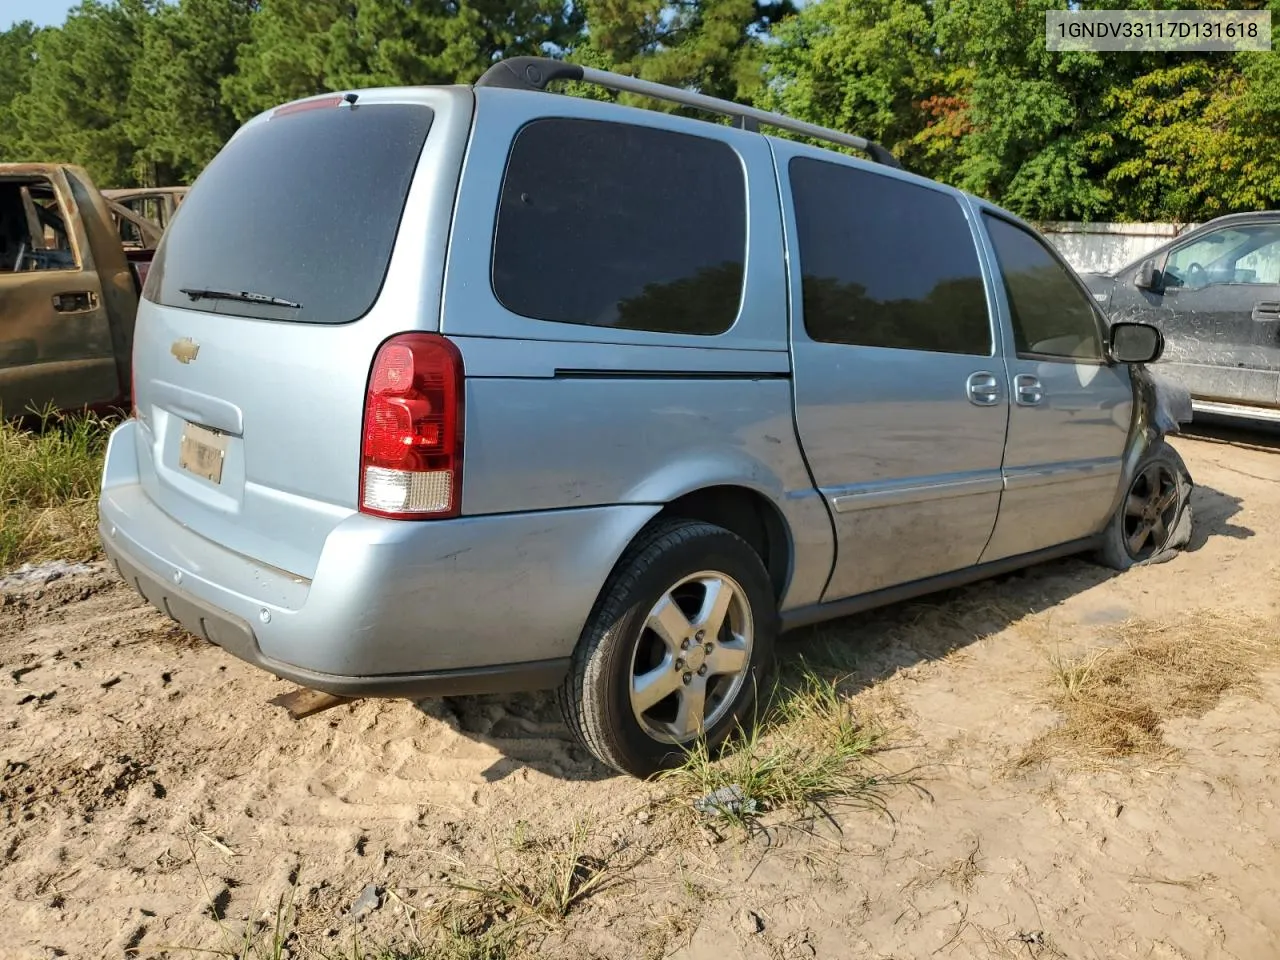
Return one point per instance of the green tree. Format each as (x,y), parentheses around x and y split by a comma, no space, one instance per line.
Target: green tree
(962,90)
(1254,120)
(1195,140)
(712,46)
(177,116)
(17,60)
(1032,113)
(302,47)
(869,67)
(75,107)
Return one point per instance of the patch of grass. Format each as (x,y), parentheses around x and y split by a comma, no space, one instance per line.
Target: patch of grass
(537,879)
(49,479)
(498,942)
(808,752)
(1115,700)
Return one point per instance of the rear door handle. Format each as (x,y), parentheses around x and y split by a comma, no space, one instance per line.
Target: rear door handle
(983,389)
(79,301)
(1267,310)
(1027,390)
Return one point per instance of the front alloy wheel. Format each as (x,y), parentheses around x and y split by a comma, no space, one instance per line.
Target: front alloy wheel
(1150,509)
(1154,517)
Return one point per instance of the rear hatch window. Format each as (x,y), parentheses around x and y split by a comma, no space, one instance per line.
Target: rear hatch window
(296,217)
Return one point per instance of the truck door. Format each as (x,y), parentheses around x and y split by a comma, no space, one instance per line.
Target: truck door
(56,342)
(1221,316)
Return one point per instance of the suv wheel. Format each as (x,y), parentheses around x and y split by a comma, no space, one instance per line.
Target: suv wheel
(675,649)
(1154,517)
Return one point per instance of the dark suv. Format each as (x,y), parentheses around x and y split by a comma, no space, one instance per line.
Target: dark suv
(1215,293)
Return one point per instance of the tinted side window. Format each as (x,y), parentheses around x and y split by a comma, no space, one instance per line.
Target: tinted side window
(886,263)
(615,225)
(1052,316)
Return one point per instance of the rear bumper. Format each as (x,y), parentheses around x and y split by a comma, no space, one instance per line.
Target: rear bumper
(237,638)
(396,608)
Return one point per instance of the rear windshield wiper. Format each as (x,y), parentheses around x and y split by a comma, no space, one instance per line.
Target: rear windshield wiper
(244,296)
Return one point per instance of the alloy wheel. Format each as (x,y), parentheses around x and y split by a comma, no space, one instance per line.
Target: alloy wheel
(691,657)
(1150,509)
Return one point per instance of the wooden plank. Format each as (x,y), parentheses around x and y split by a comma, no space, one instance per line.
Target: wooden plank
(304,702)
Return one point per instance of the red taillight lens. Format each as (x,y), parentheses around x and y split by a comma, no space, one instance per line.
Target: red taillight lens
(411,451)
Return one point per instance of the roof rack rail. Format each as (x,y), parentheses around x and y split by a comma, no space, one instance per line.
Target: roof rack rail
(534,73)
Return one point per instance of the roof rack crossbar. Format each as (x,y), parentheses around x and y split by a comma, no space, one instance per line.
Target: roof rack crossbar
(534,73)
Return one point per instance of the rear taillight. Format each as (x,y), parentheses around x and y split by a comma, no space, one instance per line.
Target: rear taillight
(411,449)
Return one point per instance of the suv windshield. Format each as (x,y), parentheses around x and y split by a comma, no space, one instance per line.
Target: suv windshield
(302,208)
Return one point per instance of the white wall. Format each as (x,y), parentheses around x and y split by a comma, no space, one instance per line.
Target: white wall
(1106,247)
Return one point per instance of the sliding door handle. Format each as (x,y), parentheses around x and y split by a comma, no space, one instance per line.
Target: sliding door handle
(1028,391)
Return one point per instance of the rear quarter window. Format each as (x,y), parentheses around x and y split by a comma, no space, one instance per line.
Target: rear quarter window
(617,225)
(304,206)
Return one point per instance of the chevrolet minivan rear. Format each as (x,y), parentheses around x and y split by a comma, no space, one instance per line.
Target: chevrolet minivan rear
(267,300)
(248,496)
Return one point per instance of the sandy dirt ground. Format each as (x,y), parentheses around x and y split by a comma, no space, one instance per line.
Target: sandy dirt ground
(153,801)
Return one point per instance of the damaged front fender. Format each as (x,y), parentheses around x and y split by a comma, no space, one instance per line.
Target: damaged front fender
(1160,407)
(1169,401)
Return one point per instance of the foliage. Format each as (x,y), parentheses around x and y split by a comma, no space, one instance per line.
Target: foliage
(711,45)
(17,60)
(75,105)
(858,65)
(49,474)
(302,47)
(177,117)
(965,91)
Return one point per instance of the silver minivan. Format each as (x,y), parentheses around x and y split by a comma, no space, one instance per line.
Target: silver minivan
(484,388)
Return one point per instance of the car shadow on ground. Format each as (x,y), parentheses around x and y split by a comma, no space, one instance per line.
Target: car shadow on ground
(1253,435)
(1213,512)
(864,649)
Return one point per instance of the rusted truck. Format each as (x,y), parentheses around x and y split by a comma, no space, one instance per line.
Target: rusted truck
(68,291)
(154,205)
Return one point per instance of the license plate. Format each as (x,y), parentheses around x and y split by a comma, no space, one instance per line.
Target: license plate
(202,452)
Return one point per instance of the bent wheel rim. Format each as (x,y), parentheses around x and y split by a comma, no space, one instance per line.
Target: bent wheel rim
(1150,509)
(691,657)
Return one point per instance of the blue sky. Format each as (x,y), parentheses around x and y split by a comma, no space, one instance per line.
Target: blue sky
(41,12)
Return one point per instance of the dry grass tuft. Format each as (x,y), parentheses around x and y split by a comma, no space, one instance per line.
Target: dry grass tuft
(535,879)
(963,871)
(1115,700)
(49,487)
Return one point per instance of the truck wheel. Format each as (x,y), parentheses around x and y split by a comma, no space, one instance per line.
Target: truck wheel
(676,648)
(1154,517)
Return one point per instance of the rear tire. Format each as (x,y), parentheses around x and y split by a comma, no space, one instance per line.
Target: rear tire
(683,631)
(1153,520)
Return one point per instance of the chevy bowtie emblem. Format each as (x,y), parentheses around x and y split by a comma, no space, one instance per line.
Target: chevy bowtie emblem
(185,350)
